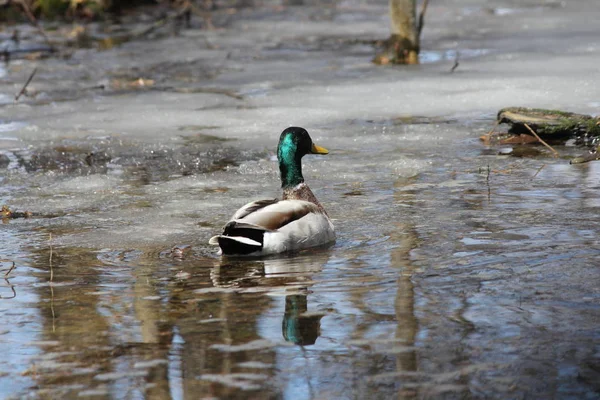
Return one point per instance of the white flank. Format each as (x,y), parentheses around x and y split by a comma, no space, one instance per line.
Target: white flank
(314,229)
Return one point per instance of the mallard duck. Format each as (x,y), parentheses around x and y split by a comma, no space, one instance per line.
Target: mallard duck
(297,221)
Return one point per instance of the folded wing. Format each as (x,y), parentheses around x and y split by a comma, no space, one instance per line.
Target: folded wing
(255,224)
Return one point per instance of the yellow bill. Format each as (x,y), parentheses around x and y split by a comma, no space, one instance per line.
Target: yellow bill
(318,150)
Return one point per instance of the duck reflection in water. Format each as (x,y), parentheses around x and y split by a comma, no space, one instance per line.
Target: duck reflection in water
(299,326)
(288,274)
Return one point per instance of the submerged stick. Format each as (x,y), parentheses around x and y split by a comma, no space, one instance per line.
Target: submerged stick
(456,63)
(491,132)
(538,171)
(24,88)
(51,285)
(10,269)
(541,141)
(12,288)
(50,259)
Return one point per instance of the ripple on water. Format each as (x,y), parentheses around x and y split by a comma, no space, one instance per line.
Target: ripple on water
(427,57)
(10,126)
(4,98)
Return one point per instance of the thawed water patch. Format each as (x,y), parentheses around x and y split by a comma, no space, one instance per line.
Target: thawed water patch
(507,11)
(428,56)
(10,126)
(420,263)
(5,98)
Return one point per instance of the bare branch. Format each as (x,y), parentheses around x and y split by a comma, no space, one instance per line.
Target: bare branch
(456,63)
(24,88)
(12,288)
(538,171)
(541,141)
(10,270)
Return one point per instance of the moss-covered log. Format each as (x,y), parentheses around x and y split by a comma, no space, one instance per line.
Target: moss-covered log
(550,124)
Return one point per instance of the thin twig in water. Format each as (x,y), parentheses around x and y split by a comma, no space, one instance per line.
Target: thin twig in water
(487,183)
(422,18)
(538,171)
(456,63)
(24,88)
(10,270)
(51,285)
(491,132)
(12,288)
(50,258)
(541,141)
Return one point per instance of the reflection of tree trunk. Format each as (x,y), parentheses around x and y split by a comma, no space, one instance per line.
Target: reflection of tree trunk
(403,45)
(146,311)
(408,325)
(150,315)
(71,317)
(224,319)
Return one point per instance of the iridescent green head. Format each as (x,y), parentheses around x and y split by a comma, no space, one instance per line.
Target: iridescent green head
(294,143)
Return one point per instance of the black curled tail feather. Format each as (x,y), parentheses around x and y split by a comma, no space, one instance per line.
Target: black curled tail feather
(235,228)
(241,238)
(232,246)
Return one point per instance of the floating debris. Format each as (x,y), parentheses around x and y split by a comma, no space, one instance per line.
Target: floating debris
(7,213)
(179,252)
(591,156)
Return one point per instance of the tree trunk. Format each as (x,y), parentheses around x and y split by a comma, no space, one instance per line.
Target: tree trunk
(403,45)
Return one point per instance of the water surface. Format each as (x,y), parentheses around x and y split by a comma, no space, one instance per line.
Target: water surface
(457,273)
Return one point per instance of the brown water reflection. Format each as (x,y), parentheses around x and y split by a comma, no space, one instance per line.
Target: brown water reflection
(121,324)
(455,287)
